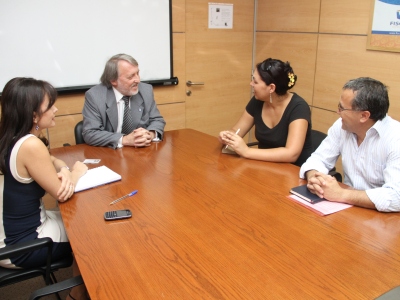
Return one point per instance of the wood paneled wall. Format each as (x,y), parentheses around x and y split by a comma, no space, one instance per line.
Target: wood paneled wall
(325,42)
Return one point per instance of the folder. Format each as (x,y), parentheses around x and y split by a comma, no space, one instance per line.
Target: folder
(95,177)
(303,192)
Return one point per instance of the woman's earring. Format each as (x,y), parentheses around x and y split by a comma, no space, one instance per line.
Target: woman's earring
(270,97)
(37,127)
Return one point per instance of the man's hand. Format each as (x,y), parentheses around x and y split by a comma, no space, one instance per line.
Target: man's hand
(324,186)
(138,138)
(314,183)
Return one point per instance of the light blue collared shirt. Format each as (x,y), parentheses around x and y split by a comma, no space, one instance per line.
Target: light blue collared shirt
(373,167)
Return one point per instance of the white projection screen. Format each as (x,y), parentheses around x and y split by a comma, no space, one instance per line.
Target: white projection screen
(67,42)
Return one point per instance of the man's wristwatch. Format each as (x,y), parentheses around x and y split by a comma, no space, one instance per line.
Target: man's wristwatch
(157,137)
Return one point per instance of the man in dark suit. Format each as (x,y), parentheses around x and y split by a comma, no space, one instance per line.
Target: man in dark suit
(121,111)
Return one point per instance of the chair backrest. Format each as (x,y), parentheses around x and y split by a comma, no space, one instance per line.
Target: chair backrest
(316,138)
(78,133)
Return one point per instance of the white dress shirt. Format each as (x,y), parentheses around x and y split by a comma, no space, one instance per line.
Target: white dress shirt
(373,167)
(121,107)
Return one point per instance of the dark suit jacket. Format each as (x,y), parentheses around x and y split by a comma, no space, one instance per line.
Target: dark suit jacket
(100,114)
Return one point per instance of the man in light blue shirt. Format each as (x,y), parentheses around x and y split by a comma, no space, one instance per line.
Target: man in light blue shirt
(369,142)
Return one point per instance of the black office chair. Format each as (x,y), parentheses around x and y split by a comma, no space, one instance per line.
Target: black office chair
(78,133)
(316,139)
(11,276)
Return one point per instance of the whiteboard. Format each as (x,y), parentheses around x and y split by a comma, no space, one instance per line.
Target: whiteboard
(68,42)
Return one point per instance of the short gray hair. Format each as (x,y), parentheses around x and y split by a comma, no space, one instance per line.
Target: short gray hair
(110,72)
(371,95)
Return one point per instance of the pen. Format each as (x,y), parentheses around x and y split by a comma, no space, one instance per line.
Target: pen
(123,197)
(237,131)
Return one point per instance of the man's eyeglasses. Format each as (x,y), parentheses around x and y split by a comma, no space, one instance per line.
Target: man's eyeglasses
(341,108)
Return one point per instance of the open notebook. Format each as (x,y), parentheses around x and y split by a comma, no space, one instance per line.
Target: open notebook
(95,177)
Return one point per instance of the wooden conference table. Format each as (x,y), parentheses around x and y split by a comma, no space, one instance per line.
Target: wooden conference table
(208,225)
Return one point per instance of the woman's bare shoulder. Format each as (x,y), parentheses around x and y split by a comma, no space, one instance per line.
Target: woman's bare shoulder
(33,146)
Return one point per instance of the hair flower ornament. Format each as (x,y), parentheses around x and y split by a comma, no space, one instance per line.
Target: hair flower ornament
(291,79)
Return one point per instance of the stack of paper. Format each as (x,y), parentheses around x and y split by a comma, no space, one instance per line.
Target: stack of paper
(95,177)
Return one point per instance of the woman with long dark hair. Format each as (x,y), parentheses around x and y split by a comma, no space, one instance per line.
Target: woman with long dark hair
(28,171)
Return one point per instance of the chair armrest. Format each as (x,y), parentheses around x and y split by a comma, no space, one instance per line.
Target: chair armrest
(29,246)
(57,287)
(252,144)
(335,174)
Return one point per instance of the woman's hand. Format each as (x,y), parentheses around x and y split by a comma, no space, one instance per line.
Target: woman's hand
(222,136)
(235,142)
(80,168)
(68,181)
(67,187)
